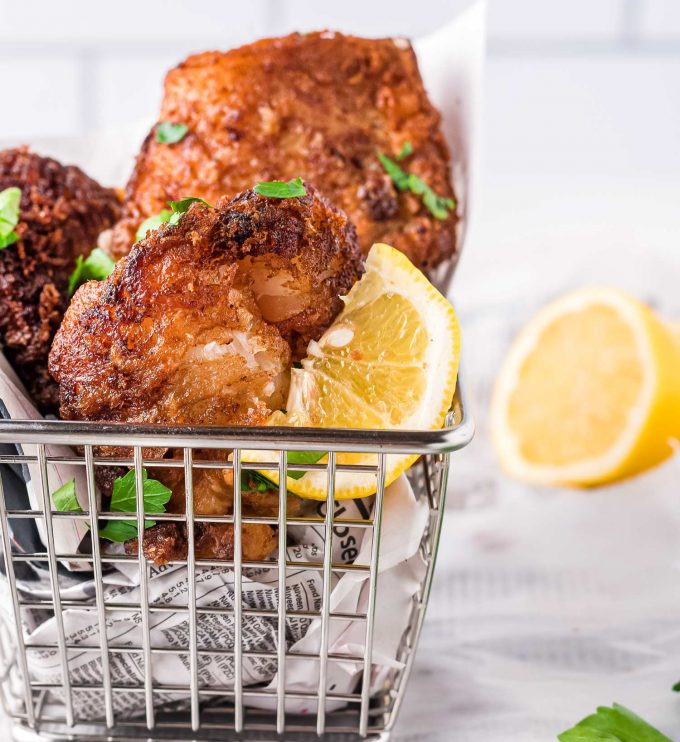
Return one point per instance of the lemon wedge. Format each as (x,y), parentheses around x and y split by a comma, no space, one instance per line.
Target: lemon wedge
(589,392)
(389,361)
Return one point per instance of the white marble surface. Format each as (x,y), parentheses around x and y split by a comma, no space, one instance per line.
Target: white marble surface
(550,603)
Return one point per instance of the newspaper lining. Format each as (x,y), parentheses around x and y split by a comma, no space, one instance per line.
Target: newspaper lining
(404,520)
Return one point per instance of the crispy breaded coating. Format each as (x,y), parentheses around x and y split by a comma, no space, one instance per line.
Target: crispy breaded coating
(168,542)
(192,326)
(317,105)
(62,212)
(198,325)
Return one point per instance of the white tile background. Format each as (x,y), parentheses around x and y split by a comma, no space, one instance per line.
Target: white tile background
(586,85)
(589,85)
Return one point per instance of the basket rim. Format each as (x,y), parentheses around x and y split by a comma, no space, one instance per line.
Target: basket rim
(456,434)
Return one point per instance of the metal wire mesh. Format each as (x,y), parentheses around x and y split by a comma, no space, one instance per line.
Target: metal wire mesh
(86,707)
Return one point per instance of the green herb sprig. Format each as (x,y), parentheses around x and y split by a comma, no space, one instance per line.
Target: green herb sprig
(152,223)
(172,216)
(438,206)
(616,724)
(123,500)
(404,152)
(303,457)
(168,132)
(65,500)
(278,189)
(97,266)
(10,199)
(262,482)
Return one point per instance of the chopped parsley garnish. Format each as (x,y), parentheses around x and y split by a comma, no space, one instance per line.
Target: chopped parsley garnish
(438,206)
(167,132)
(65,500)
(279,189)
(182,206)
(303,457)
(10,199)
(676,687)
(168,216)
(399,176)
(253,481)
(152,223)
(95,267)
(616,724)
(405,151)
(123,500)
(261,481)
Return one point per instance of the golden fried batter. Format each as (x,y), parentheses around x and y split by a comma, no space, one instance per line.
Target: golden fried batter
(62,212)
(318,106)
(176,333)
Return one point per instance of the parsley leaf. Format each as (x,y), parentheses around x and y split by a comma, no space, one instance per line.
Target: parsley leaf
(152,223)
(676,687)
(10,199)
(293,457)
(120,531)
(438,206)
(616,724)
(279,189)
(399,176)
(252,481)
(65,500)
(303,457)
(168,217)
(124,500)
(95,267)
(182,206)
(124,497)
(405,151)
(167,132)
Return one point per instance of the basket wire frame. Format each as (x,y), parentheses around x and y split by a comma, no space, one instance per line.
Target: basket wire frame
(213,712)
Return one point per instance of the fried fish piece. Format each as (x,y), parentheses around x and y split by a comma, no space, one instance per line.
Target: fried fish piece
(319,106)
(198,325)
(62,212)
(167,541)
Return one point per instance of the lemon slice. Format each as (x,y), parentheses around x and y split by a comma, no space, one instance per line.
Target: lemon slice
(589,392)
(389,361)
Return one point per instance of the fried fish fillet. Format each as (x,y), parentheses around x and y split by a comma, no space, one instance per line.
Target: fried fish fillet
(62,212)
(319,106)
(198,325)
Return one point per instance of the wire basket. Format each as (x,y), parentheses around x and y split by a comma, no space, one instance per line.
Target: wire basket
(192,709)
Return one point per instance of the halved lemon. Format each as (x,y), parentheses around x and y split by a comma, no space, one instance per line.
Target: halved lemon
(389,361)
(675,329)
(589,392)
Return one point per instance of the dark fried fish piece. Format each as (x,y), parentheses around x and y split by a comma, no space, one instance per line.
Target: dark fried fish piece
(317,105)
(167,542)
(62,213)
